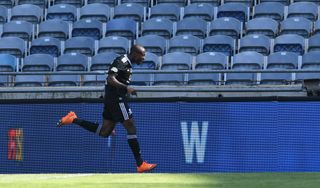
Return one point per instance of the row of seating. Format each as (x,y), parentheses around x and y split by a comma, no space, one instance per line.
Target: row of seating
(172,61)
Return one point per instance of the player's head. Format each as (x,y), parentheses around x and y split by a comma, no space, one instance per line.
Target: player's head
(137,54)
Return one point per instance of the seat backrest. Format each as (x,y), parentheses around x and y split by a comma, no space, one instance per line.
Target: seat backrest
(199,10)
(40,3)
(165,10)
(27,12)
(308,10)
(192,26)
(83,45)
(94,80)
(95,11)
(72,62)
(158,26)
(29,80)
(176,61)
(63,80)
(153,43)
(8,63)
(76,3)
(130,10)
(239,11)
(54,28)
(219,43)
(301,26)
(314,43)
(110,3)
(87,28)
(20,29)
(265,26)
(248,60)
(289,43)
(13,45)
(202,79)
(115,44)
(102,61)
(311,60)
(258,43)
(283,60)
(211,61)
(38,62)
(3,14)
(46,45)
(168,79)
(274,10)
(185,43)
(65,12)
(151,62)
(124,27)
(226,26)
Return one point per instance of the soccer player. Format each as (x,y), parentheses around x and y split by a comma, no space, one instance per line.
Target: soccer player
(116,108)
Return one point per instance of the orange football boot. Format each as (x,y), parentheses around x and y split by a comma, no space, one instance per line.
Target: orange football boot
(68,119)
(144,167)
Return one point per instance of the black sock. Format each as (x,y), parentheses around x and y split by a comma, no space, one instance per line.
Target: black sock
(134,145)
(90,126)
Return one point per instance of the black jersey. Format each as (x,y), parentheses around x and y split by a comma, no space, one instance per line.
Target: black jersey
(122,69)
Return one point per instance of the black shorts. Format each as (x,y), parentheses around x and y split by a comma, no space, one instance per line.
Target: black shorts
(117,111)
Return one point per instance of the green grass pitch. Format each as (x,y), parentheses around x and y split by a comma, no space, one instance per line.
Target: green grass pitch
(153,180)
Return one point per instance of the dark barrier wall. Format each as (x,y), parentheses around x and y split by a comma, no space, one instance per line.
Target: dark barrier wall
(179,136)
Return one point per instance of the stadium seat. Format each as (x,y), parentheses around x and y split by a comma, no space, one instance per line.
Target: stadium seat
(151,62)
(102,61)
(63,80)
(219,43)
(83,45)
(214,3)
(289,43)
(7,3)
(265,26)
(110,3)
(248,3)
(29,80)
(184,43)
(153,43)
(40,3)
(46,45)
(211,61)
(300,26)
(65,12)
(304,76)
(13,45)
(272,9)
(141,79)
(180,3)
(192,26)
(38,62)
(3,14)
(284,2)
(176,61)
(168,79)
(226,26)
(276,78)
(316,27)
(20,29)
(95,11)
(54,28)
(258,43)
(314,43)
(308,10)
(72,62)
(311,60)
(158,26)
(283,60)
(123,27)
(76,3)
(94,80)
(144,3)
(87,28)
(119,45)
(133,11)
(165,10)
(203,79)
(5,80)
(27,12)
(8,63)
(199,10)
(239,11)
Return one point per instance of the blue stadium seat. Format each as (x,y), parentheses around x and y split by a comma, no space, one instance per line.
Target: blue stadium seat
(168,79)
(248,3)
(72,62)
(7,3)
(311,60)
(40,3)
(305,76)
(5,80)
(219,43)
(192,26)
(276,78)
(83,45)
(87,28)
(214,3)
(300,26)
(316,27)
(94,80)
(95,11)
(184,43)
(63,80)
(308,10)
(158,26)
(283,60)
(235,10)
(13,45)
(27,12)
(180,3)
(124,27)
(153,43)
(76,3)
(274,10)
(20,29)
(314,43)
(226,26)
(3,14)
(38,62)
(8,63)
(46,45)
(151,62)
(258,43)
(110,3)
(145,3)
(176,61)
(141,79)
(133,11)
(119,45)
(165,10)
(54,28)
(65,12)
(289,43)
(102,61)
(29,80)
(264,26)
(284,2)
(211,61)
(203,79)
(199,10)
